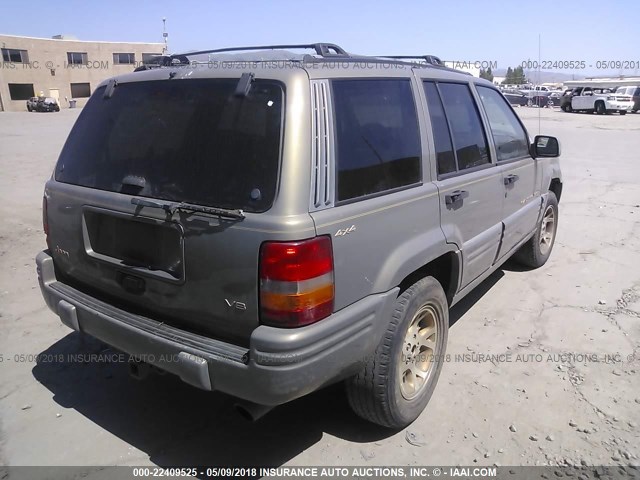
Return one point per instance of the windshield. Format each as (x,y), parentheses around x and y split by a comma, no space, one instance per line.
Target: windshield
(181,140)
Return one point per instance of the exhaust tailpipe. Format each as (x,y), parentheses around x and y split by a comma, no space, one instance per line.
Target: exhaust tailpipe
(251,411)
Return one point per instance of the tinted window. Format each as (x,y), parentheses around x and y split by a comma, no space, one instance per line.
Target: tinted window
(508,135)
(378,144)
(445,158)
(468,135)
(190,140)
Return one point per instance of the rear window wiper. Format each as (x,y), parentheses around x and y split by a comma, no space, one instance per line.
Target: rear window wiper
(189,207)
(220,212)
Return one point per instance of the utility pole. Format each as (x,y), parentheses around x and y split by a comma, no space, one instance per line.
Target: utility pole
(165,35)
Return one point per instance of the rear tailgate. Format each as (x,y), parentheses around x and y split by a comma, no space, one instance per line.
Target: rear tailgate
(161,143)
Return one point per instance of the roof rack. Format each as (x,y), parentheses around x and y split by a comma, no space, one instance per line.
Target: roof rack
(322,49)
(430,59)
(326,51)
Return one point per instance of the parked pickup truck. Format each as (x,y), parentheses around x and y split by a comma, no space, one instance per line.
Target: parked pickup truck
(600,100)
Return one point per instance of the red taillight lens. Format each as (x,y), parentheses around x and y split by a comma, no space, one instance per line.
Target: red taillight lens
(296,282)
(45,217)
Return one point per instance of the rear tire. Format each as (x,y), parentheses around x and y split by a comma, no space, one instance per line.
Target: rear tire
(623,112)
(537,250)
(397,381)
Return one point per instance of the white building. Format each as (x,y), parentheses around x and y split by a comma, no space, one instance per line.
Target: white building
(63,67)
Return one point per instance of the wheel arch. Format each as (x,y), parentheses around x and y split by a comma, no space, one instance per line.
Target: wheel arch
(445,269)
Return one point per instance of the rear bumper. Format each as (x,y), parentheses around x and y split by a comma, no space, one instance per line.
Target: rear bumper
(279,365)
(619,106)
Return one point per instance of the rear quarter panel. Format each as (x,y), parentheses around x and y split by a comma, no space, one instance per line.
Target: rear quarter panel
(390,237)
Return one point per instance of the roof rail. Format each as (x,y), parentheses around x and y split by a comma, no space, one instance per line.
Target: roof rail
(322,49)
(430,59)
(327,51)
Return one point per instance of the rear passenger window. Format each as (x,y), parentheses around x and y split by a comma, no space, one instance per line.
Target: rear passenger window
(377,139)
(508,135)
(445,158)
(468,135)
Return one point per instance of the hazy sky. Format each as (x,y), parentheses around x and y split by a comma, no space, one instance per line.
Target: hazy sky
(505,32)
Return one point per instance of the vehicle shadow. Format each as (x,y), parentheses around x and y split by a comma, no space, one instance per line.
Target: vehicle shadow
(463,306)
(176,424)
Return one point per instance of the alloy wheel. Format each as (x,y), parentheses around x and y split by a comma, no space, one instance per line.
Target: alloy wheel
(417,357)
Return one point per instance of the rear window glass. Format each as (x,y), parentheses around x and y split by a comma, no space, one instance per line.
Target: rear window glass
(181,140)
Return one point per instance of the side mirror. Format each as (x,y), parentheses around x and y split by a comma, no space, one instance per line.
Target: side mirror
(544,146)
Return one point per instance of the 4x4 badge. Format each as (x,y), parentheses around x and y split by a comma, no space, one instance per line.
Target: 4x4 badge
(345,231)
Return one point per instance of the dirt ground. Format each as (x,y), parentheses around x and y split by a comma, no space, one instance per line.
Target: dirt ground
(564,387)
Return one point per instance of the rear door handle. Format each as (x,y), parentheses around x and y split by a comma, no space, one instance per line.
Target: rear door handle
(509,179)
(454,196)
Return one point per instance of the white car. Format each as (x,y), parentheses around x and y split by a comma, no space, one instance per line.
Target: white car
(632,91)
(601,101)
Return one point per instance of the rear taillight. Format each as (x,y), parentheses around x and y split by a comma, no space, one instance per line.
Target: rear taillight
(45,218)
(296,282)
